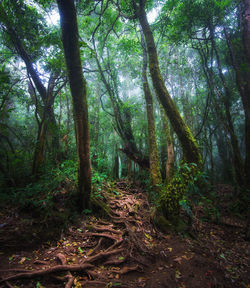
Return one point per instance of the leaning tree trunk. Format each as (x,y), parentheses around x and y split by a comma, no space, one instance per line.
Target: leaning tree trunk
(189,146)
(78,89)
(154,165)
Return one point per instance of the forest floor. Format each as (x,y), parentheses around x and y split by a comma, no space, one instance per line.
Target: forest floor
(123,250)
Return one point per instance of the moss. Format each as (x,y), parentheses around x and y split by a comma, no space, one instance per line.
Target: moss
(163,224)
(99,206)
(172,193)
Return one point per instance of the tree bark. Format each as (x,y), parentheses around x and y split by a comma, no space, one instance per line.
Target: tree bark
(189,146)
(154,164)
(68,20)
(170,149)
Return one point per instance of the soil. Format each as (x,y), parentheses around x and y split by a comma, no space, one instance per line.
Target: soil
(124,249)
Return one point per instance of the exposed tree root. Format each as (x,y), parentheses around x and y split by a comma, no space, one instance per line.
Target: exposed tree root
(69,276)
(96,247)
(115,262)
(41,262)
(55,269)
(94,282)
(105,229)
(14,270)
(126,230)
(102,235)
(117,243)
(125,270)
(70,281)
(102,255)
(9,285)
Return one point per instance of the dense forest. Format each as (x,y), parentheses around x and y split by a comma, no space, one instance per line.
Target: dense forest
(125,143)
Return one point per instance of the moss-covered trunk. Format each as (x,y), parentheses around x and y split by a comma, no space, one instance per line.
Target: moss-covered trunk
(170,149)
(189,146)
(79,94)
(154,164)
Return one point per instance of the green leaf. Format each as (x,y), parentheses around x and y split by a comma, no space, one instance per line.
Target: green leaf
(87,211)
(80,249)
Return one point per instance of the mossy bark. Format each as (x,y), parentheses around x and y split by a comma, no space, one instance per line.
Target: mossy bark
(170,148)
(79,94)
(190,148)
(154,164)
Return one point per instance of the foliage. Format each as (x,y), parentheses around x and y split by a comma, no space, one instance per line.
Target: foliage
(171,196)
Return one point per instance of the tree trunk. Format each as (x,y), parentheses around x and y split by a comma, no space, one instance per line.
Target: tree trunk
(123,123)
(246,97)
(170,148)
(154,164)
(47,96)
(68,20)
(116,163)
(237,159)
(189,146)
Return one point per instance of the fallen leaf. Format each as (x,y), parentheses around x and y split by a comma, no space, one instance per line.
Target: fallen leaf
(178,259)
(170,249)
(177,274)
(77,284)
(22,260)
(89,252)
(80,249)
(187,258)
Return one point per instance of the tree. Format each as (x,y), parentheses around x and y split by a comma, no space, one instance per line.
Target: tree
(78,89)
(188,143)
(155,172)
(19,35)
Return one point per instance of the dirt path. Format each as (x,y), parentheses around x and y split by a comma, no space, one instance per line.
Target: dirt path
(126,250)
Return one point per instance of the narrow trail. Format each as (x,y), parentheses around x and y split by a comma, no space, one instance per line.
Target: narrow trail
(123,250)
